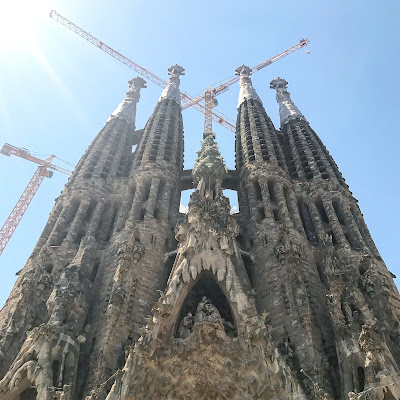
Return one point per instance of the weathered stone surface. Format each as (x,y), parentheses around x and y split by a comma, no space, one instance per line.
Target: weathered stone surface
(125,298)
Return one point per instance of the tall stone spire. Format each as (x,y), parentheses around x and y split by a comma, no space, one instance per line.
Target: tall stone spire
(287,299)
(143,234)
(172,91)
(287,109)
(162,140)
(207,310)
(247,90)
(127,108)
(256,137)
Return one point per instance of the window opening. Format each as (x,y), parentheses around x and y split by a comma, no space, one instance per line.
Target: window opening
(361,379)
(184,202)
(232,195)
(257,188)
(248,264)
(322,212)
(271,190)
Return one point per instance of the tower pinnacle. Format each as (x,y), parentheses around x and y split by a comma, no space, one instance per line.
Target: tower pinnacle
(247,90)
(172,91)
(127,108)
(209,169)
(287,109)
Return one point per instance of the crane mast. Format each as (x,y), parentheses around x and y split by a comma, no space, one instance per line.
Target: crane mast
(42,171)
(210,94)
(208,97)
(185,97)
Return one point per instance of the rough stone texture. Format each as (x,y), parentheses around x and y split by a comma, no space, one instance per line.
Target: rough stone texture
(125,298)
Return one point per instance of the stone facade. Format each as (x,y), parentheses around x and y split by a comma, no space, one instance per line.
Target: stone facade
(126,298)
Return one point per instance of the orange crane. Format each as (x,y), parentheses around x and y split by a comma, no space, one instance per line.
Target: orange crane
(43,171)
(187,101)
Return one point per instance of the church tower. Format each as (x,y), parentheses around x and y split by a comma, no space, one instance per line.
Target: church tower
(126,298)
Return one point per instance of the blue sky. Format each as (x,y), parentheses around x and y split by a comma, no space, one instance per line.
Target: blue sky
(57,91)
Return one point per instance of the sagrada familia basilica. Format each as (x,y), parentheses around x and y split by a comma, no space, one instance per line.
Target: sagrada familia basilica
(126,298)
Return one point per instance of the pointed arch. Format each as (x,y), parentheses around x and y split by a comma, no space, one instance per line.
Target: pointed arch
(170,324)
(207,286)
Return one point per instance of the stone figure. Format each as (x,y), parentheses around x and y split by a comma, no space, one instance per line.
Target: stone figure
(137,251)
(206,311)
(67,303)
(347,312)
(186,325)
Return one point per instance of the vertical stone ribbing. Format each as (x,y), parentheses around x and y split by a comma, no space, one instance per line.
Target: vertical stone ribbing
(64,262)
(340,242)
(138,229)
(306,260)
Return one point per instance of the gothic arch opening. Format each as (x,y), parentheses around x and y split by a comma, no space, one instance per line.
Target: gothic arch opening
(208,287)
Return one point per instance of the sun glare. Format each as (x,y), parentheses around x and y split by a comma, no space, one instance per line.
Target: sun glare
(20,20)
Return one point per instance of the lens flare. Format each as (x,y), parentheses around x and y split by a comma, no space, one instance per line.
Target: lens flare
(20,21)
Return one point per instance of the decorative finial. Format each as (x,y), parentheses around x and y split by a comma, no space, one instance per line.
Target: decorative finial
(247,90)
(127,108)
(172,91)
(209,168)
(243,71)
(176,70)
(135,84)
(287,109)
(279,84)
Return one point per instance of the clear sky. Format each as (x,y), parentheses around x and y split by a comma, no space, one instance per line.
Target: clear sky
(57,91)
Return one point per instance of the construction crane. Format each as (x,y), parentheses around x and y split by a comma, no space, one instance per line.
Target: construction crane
(43,171)
(209,96)
(218,117)
(187,101)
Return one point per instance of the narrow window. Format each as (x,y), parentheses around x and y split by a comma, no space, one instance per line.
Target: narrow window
(307,221)
(350,239)
(321,274)
(339,212)
(361,379)
(248,264)
(160,190)
(322,212)
(94,271)
(271,190)
(258,190)
(288,203)
(56,372)
(146,192)
(112,222)
(261,212)
(276,213)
